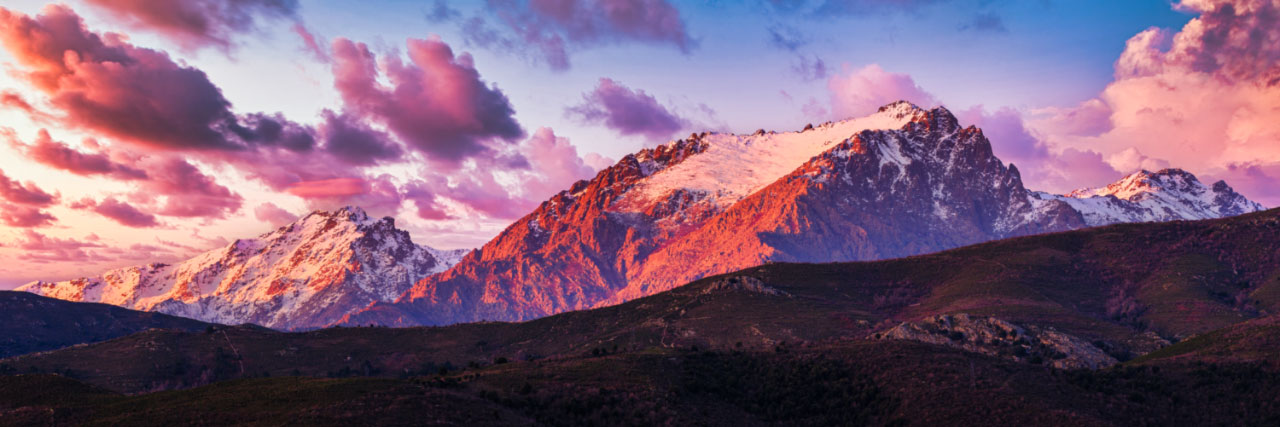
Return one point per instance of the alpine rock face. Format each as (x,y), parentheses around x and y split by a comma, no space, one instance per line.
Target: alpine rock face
(304,275)
(903,181)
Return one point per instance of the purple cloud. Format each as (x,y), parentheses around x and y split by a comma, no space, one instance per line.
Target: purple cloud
(436,103)
(58,155)
(195,24)
(23,216)
(627,111)
(123,213)
(270,213)
(552,27)
(24,193)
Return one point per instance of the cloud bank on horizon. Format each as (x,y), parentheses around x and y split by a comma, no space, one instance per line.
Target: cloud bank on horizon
(112,133)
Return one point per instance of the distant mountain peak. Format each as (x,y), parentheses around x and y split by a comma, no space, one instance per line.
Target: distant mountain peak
(1164,195)
(302,275)
(1144,181)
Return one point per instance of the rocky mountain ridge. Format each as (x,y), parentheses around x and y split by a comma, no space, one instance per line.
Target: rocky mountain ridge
(903,181)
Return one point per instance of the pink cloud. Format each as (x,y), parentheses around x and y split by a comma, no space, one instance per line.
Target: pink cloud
(103,84)
(555,165)
(58,155)
(14,100)
(1089,118)
(337,187)
(627,111)
(24,216)
(379,195)
(24,193)
(188,192)
(552,27)
(120,212)
(198,23)
(310,43)
(165,183)
(478,190)
(427,205)
(39,248)
(1204,98)
(505,186)
(21,203)
(1133,160)
(270,213)
(861,92)
(597,161)
(436,103)
(140,96)
(98,81)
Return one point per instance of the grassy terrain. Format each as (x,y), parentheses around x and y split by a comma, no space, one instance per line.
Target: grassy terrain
(1256,340)
(854,383)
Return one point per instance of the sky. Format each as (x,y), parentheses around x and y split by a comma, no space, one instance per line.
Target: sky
(137,131)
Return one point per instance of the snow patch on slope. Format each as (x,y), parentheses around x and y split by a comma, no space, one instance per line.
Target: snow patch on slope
(734,166)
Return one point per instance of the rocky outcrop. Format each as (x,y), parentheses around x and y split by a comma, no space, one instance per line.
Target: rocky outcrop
(995,337)
(743,284)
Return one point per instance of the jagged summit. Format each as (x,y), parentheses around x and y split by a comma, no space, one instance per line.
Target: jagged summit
(900,108)
(1143,181)
(302,275)
(352,213)
(1165,195)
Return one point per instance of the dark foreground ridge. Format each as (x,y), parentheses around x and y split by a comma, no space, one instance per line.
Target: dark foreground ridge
(34,323)
(856,383)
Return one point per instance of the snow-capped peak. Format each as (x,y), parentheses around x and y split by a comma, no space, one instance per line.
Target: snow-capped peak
(733,166)
(900,109)
(1165,195)
(302,275)
(1144,181)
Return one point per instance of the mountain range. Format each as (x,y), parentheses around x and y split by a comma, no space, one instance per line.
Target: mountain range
(903,181)
(1143,324)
